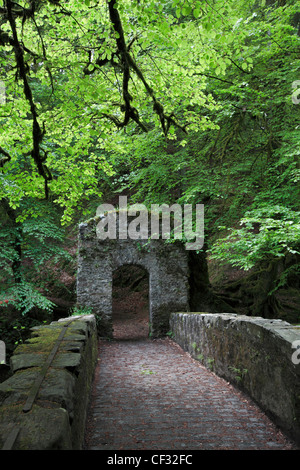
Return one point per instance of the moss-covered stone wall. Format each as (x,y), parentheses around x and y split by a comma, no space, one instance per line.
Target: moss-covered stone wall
(256,354)
(56,420)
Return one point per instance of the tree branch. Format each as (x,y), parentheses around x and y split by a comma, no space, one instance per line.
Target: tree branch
(127,64)
(37,132)
(4,159)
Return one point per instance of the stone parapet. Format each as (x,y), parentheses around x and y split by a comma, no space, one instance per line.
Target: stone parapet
(258,355)
(44,402)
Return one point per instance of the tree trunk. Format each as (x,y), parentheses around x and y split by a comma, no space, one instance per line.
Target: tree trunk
(17,242)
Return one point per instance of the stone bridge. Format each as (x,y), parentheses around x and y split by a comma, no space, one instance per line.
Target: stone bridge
(189,390)
(70,391)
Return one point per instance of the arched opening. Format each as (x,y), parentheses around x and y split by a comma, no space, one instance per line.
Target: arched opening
(130,302)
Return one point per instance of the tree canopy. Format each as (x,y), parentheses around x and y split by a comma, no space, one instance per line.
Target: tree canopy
(171,101)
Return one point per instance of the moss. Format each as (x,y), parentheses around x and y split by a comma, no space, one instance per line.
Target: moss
(210,362)
(43,340)
(239,372)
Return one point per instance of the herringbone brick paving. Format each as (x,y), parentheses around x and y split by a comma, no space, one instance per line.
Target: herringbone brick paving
(151,395)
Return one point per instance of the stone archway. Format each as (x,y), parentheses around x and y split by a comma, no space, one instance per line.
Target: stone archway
(166,263)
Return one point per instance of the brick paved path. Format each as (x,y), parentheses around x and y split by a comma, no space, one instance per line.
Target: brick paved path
(150,394)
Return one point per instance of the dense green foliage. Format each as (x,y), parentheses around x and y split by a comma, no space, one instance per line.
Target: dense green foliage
(168,101)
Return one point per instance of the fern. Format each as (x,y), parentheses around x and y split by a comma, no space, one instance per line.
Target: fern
(24,297)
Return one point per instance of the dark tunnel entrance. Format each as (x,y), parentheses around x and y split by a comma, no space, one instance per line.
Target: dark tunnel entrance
(130,302)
